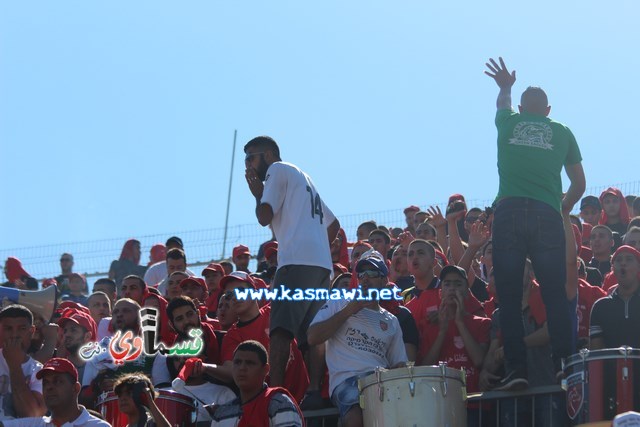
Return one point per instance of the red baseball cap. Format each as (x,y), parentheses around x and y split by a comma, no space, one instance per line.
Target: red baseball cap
(70,304)
(455,197)
(626,249)
(240,250)
(215,267)
(48,282)
(60,365)
(239,276)
(268,252)
(412,208)
(195,280)
(79,318)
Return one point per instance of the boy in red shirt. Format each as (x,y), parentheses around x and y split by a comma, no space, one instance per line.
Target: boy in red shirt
(253,324)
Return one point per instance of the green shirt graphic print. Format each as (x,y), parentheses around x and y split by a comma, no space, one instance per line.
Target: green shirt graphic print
(532,149)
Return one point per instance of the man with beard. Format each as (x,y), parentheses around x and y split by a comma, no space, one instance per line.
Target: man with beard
(78,328)
(100,372)
(60,389)
(304,226)
(183,316)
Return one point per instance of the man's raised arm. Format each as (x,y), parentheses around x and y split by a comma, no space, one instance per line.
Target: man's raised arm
(504,80)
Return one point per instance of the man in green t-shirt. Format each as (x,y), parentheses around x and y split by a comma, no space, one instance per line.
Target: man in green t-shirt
(532,150)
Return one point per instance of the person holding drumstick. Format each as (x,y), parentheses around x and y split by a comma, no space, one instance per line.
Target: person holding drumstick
(136,399)
(360,336)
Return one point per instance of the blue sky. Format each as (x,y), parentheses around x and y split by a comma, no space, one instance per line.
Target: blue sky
(117,118)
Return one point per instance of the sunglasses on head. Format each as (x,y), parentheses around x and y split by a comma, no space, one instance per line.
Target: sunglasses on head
(249,156)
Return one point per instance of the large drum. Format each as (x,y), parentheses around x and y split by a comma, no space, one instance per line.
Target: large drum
(430,396)
(601,384)
(178,409)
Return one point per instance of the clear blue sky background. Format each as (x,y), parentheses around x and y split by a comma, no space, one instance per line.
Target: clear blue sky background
(117,118)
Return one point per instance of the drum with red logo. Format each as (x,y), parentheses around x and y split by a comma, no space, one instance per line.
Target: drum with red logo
(601,384)
(177,408)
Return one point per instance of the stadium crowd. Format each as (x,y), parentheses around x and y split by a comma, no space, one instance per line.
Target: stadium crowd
(263,362)
(442,263)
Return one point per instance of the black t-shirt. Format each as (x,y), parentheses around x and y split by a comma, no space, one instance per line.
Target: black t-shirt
(410,333)
(594,277)
(603,266)
(616,320)
(479,289)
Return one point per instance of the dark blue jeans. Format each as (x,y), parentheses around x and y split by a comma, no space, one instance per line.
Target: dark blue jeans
(522,228)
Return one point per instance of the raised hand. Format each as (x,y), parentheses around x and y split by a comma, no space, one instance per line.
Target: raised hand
(255,183)
(405,238)
(500,74)
(435,217)
(479,234)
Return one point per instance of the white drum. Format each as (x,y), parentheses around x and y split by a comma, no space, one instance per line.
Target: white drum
(423,396)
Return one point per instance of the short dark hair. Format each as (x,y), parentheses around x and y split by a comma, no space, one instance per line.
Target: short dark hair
(177,302)
(636,204)
(229,264)
(635,222)
(255,347)
(263,143)
(174,240)
(371,224)
(140,280)
(98,294)
(380,232)
(14,311)
(428,245)
(108,282)
(603,227)
(129,381)
(630,198)
(534,99)
(176,253)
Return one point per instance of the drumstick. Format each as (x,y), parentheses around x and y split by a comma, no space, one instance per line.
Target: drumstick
(209,408)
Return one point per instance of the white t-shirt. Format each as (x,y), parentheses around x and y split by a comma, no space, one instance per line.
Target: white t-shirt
(155,273)
(164,283)
(366,340)
(208,392)
(29,369)
(300,217)
(85,419)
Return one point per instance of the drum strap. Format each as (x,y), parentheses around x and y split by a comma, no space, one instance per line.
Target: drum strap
(255,413)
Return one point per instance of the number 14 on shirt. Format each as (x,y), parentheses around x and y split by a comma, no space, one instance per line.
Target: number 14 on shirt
(316,204)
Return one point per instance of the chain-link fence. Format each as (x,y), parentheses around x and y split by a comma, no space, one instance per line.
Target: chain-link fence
(93,258)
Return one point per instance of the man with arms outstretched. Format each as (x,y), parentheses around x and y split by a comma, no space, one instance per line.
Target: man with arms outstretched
(532,150)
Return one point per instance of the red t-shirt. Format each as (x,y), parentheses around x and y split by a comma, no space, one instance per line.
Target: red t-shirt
(429,301)
(536,305)
(610,280)
(296,379)
(587,296)
(212,301)
(489,306)
(453,350)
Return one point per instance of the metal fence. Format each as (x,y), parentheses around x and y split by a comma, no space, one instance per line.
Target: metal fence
(202,246)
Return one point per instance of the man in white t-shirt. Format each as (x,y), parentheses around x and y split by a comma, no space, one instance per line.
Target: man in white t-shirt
(304,226)
(20,390)
(158,272)
(359,336)
(61,388)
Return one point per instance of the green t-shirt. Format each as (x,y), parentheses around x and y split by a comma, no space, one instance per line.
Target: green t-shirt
(532,150)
